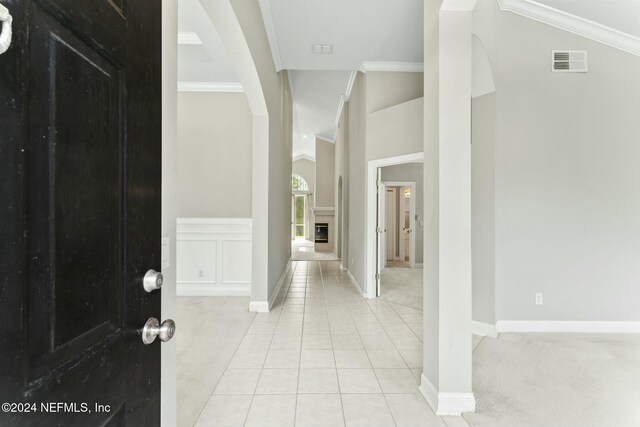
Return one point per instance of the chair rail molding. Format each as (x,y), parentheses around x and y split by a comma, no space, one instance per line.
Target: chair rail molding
(213,256)
(573,24)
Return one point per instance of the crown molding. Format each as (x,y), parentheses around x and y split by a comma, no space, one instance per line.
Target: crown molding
(352,80)
(272,35)
(325,139)
(210,87)
(573,24)
(398,67)
(188,37)
(303,157)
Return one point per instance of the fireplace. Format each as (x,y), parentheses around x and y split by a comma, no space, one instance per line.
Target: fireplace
(322,232)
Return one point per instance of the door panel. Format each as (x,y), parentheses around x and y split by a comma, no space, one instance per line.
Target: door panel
(381,251)
(80,211)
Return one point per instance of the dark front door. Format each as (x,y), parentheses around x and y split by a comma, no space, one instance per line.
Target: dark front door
(80,169)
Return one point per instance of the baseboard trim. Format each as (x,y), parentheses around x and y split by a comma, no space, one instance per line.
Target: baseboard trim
(356,284)
(446,403)
(259,306)
(568,326)
(483,329)
(275,293)
(183,290)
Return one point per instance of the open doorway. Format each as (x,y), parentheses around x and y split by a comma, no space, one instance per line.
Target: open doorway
(395,216)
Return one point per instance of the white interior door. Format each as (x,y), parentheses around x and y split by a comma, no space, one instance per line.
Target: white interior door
(381,252)
(407,224)
(402,249)
(390,224)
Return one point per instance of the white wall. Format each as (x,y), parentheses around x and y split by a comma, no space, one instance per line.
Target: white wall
(372,92)
(274,162)
(214,155)
(483,207)
(357,166)
(567,207)
(411,172)
(395,130)
(325,174)
(386,89)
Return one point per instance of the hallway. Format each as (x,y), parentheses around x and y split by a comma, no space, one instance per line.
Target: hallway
(323,356)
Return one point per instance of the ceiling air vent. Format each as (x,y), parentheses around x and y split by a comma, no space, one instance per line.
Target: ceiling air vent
(569,61)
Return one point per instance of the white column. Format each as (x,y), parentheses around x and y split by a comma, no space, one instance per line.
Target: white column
(446,379)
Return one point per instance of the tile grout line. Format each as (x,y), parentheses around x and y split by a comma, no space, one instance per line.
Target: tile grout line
(246,417)
(304,309)
(333,350)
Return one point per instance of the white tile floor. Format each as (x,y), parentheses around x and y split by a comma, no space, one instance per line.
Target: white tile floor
(324,356)
(327,357)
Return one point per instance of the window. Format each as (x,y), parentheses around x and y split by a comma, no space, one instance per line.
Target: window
(298,183)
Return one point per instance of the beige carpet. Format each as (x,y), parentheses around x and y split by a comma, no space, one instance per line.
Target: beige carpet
(402,286)
(557,380)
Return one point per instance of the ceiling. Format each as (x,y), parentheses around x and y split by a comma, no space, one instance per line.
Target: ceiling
(317,95)
(359,31)
(207,62)
(363,34)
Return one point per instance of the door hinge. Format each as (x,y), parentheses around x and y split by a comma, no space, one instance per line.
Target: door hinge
(378,230)
(377,276)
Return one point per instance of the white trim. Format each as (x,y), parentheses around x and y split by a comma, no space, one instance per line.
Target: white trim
(352,80)
(446,403)
(573,24)
(188,37)
(272,34)
(207,290)
(483,329)
(458,5)
(569,326)
(325,139)
(397,67)
(429,392)
(356,284)
(210,87)
(345,97)
(340,107)
(276,291)
(370,221)
(216,233)
(304,157)
(259,306)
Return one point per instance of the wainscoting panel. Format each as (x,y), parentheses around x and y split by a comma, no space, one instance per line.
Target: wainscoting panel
(213,256)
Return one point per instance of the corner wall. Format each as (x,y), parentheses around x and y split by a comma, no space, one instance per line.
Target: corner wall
(567,209)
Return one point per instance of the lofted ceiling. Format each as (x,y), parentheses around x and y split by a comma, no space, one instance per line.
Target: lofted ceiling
(378,33)
(317,95)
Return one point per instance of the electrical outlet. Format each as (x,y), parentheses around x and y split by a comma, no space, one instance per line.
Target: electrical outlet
(200,273)
(539,300)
